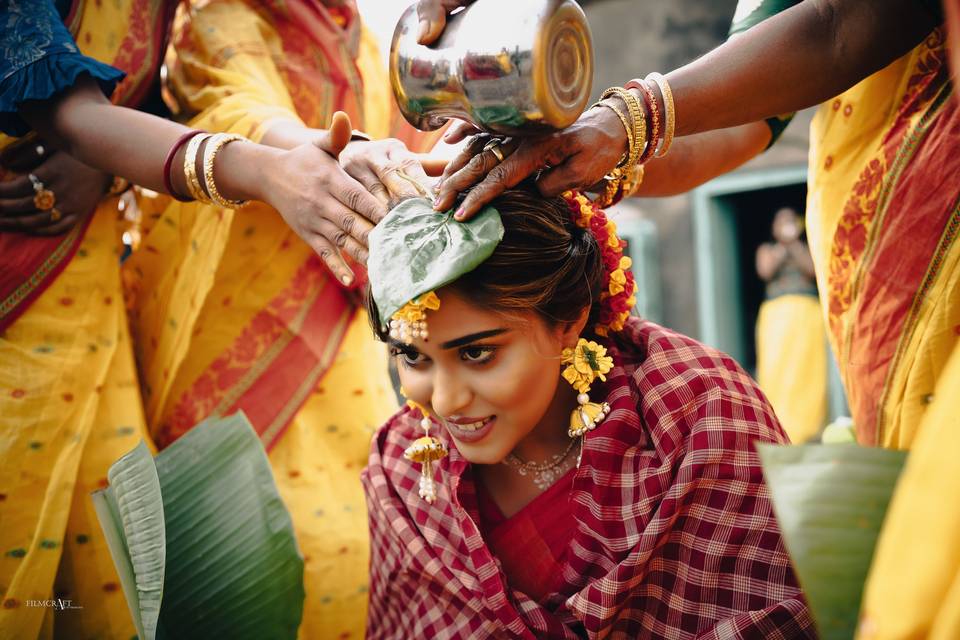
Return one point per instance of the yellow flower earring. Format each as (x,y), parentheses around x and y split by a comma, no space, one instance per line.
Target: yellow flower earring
(585,363)
(426,450)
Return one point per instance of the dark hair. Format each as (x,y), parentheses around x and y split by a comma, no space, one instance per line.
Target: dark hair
(545,263)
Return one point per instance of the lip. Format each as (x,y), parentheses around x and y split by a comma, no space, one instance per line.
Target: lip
(462,435)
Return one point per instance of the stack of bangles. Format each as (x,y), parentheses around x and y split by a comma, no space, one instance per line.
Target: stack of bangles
(204,146)
(648,134)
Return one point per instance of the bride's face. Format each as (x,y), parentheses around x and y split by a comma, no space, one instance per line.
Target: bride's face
(489,380)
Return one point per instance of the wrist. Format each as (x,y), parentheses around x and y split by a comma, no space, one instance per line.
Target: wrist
(246,171)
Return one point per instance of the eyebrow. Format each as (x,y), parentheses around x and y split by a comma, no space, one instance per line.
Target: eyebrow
(473,337)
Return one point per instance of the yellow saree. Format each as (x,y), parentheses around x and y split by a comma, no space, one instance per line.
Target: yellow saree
(792,363)
(69,398)
(883,214)
(231,310)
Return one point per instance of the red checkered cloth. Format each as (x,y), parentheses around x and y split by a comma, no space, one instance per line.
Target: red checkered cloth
(675,533)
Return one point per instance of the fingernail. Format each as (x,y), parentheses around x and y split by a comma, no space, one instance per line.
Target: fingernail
(459,214)
(346,280)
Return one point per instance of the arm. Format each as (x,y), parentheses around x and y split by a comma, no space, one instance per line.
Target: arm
(769,259)
(793,60)
(800,253)
(326,207)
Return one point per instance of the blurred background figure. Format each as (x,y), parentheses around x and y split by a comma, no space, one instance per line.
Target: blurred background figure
(791,340)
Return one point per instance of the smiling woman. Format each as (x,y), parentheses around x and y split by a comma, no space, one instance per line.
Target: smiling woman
(504,500)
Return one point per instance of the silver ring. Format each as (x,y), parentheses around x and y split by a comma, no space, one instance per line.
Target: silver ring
(36,182)
(494,147)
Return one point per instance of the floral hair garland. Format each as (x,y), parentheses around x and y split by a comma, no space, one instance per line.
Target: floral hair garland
(620,295)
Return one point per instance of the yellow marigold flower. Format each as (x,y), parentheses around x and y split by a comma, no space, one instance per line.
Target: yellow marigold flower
(592,359)
(579,381)
(617,281)
(625,262)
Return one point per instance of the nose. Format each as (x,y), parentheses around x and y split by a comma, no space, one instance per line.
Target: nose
(451,395)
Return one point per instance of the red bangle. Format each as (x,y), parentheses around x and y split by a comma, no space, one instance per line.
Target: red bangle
(168,162)
(653,114)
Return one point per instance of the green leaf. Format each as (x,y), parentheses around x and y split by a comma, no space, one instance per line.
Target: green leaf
(830,501)
(232,569)
(415,249)
(131,514)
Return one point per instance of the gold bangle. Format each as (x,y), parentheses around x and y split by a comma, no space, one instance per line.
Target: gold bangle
(670,116)
(638,120)
(218,141)
(650,99)
(626,125)
(190,168)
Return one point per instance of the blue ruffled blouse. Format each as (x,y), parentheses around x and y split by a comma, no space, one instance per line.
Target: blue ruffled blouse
(38,59)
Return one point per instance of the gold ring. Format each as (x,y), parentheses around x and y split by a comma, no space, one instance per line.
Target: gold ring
(55,214)
(43,198)
(494,147)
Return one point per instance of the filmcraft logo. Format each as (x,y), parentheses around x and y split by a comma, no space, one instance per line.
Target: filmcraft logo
(60,604)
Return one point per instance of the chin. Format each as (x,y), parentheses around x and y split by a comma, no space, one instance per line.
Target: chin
(482,453)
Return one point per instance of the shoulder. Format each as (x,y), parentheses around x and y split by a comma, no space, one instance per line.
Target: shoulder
(682,384)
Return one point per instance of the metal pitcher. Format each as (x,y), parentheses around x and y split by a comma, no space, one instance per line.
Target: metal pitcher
(512,67)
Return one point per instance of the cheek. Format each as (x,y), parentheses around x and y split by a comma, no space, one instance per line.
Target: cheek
(524,389)
(416,385)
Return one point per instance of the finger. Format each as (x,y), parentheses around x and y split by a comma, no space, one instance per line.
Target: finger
(509,173)
(352,195)
(343,241)
(371,182)
(65,224)
(341,223)
(409,179)
(473,173)
(473,147)
(433,18)
(16,188)
(332,258)
(24,222)
(337,136)
(459,131)
(17,207)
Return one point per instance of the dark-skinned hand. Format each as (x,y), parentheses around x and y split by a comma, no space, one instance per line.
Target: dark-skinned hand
(77,187)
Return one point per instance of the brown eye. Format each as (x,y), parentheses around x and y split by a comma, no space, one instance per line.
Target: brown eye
(477,354)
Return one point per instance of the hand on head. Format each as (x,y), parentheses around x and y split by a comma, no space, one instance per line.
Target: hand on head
(576,158)
(333,199)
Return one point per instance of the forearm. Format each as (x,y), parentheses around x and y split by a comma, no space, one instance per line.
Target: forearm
(694,160)
(799,58)
(134,145)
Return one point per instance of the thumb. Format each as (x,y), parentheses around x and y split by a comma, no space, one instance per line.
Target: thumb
(433,18)
(337,136)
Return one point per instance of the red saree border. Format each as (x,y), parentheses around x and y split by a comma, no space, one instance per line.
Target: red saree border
(41,259)
(272,366)
(869,257)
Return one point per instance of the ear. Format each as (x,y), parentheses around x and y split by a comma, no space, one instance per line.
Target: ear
(570,332)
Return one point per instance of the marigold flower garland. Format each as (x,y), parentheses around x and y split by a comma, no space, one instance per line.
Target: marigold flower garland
(620,296)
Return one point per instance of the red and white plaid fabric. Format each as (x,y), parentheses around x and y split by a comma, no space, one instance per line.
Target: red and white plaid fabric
(675,537)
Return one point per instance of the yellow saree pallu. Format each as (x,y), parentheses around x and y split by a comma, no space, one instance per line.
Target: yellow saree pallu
(232,311)
(883,217)
(69,397)
(913,590)
(792,363)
